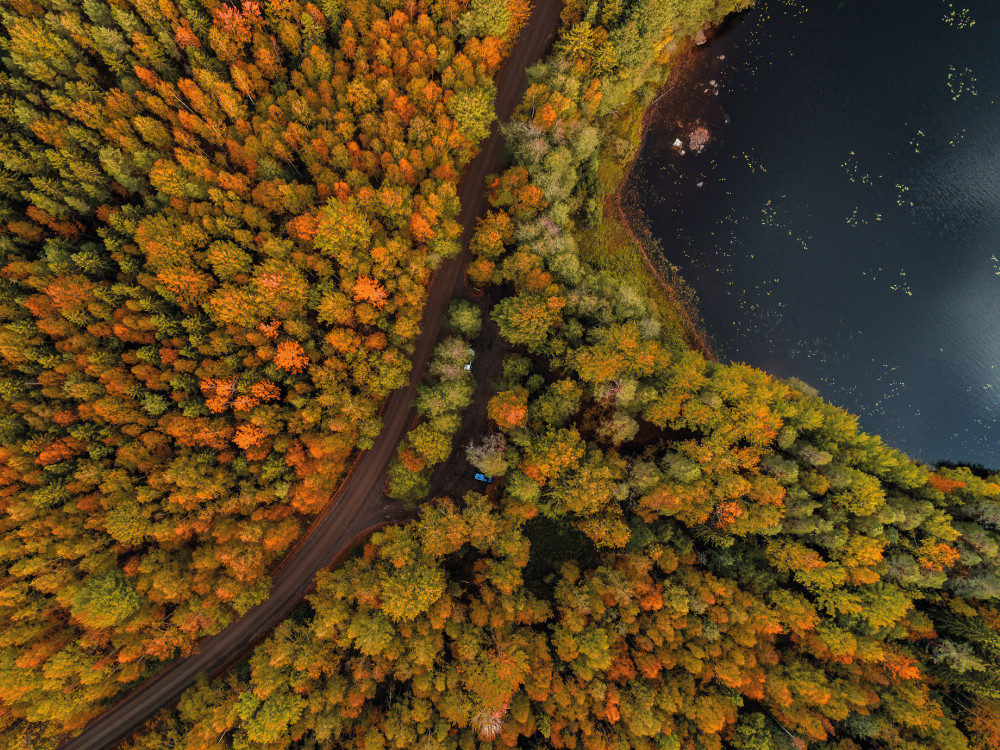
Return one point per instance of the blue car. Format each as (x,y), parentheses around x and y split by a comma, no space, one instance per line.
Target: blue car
(484,478)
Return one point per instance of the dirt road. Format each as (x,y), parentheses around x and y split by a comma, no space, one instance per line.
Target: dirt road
(362,506)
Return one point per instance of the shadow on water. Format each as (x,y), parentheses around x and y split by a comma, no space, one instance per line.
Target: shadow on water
(842,221)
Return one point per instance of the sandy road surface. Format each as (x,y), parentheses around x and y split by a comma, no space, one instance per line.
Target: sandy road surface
(362,506)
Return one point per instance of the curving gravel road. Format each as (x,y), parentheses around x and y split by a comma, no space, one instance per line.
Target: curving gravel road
(361,506)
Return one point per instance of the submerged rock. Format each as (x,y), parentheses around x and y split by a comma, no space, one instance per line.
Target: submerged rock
(698,138)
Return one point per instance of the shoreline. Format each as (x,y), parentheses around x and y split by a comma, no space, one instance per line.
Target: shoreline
(695,333)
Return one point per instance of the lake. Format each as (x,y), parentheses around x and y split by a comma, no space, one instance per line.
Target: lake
(842,224)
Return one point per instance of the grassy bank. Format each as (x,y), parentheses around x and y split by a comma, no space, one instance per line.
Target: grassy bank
(610,245)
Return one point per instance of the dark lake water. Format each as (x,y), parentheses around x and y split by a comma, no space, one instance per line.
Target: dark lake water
(846,229)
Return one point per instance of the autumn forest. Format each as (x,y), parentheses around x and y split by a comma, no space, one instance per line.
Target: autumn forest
(220,226)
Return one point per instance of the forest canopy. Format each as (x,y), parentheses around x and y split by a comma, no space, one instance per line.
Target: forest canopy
(218,222)
(220,225)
